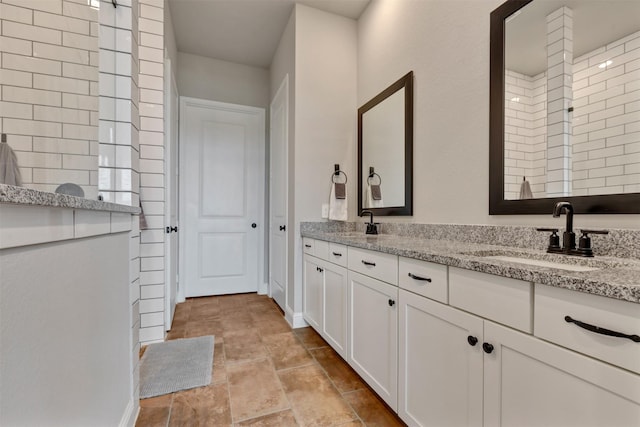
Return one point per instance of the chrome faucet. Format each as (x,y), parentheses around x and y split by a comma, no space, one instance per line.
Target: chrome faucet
(372,227)
(568,237)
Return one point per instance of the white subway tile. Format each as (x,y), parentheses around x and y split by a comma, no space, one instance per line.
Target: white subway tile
(120,222)
(153,208)
(31,127)
(152,152)
(60,22)
(27,63)
(81,11)
(150,26)
(53,6)
(82,102)
(123,180)
(15,110)
(151,306)
(150,54)
(39,160)
(76,71)
(151,319)
(151,68)
(61,53)
(74,161)
(151,277)
(125,198)
(153,334)
(153,180)
(58,145)
(17,14)
(16,45)
(124,18)
(60,175)
(123,41)
(72,131)
(123,156)
(151,264)
(30,32)
(60,84)
(623,179)
(80,41)
(151,166)
(106,182)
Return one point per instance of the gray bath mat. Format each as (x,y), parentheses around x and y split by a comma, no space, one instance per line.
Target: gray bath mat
(176,365)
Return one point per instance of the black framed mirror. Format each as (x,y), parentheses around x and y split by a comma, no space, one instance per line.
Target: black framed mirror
(385,151)
(586,138)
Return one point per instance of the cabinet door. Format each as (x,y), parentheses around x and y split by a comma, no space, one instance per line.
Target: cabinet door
(529,382)
(440,365)
(373,334)
(312,292)
(334,315)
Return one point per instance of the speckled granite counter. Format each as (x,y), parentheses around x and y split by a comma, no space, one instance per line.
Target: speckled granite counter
(25,196)
(617,278)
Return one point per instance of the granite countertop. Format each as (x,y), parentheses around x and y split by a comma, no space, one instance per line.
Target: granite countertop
(25,196)
(617,278)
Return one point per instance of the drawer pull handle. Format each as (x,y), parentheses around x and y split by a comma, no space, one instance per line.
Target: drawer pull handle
(307,246)
(602,331)
(422,279)
(372,264)
(336,254)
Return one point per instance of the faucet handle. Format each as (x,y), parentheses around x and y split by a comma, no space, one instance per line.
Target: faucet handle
(554,239)
(584,244)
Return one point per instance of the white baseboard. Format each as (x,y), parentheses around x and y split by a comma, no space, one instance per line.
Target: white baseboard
(296,320)
(129,418)
(263,289)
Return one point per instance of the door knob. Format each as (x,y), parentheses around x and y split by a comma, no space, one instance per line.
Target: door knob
(283,227)
(170,229)
(254,225)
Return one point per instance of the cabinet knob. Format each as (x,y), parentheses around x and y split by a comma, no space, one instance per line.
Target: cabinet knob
(472,340)
(391,303)
(488,348)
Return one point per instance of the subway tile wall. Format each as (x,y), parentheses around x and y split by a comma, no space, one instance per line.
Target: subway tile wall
(605,123)
(151,112)
(48,91)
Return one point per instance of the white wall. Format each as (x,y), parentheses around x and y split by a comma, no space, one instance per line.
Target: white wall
(446,44)
(283,64)
(325,116)
(65,333)
(170,38)
(216,80)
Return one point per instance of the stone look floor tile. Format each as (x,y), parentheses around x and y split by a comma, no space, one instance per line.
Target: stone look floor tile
(243,345)
(279,419)
(287,351)
(254,389)
(202,406)
(314,399)
(310,338)
(342,375)
(371,410)
(252,341)
(154,411)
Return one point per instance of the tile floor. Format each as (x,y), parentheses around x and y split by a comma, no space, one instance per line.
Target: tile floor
(264,373)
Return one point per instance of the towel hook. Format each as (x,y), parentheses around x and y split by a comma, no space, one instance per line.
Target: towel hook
(337,173)
(372,174)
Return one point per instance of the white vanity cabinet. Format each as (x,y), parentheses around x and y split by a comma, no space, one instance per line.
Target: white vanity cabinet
(373,334)
(440,364)
(325,293)
(447,346)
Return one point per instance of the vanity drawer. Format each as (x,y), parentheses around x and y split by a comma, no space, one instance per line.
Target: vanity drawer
(424,278)
(553,304)
(338,254)
(378,265)
(501,299)
(308,245)
(322,249)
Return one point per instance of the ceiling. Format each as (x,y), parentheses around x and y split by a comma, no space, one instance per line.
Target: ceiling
(595,24)
(243,31)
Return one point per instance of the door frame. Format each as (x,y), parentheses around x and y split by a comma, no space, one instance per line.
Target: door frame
(282,92)
(169,105)
(184,102)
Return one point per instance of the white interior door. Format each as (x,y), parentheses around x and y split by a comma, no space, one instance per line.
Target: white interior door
(171,193)
(278,194)
(222,197)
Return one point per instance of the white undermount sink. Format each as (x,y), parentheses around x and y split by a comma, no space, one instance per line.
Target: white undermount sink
(545,260)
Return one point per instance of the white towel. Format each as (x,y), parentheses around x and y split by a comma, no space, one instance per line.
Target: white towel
(9,172)
(369,202)
(337,207)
